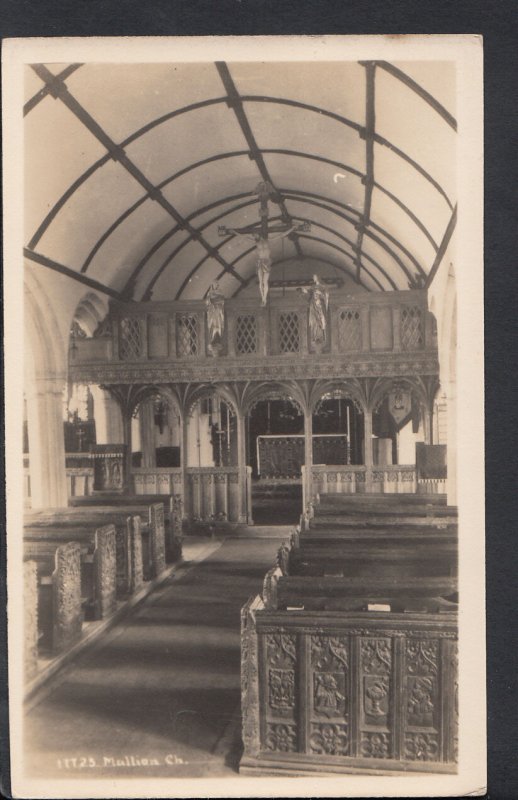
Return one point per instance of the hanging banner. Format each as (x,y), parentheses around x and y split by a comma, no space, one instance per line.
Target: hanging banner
(399,404)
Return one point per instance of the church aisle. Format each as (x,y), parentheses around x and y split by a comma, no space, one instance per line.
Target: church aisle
(159,695)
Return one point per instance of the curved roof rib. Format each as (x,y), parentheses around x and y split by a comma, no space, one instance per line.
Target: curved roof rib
(402,217)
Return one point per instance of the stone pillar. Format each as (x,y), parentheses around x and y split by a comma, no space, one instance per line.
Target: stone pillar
(147,434)
(108,419)
(245,514)
(367,448)
(126,426)
(46,443)
(308,455)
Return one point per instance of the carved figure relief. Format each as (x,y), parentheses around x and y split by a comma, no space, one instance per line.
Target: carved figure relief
(318,298)
(421,705)
(327,696)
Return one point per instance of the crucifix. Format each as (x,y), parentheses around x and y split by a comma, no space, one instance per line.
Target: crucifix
(260,234)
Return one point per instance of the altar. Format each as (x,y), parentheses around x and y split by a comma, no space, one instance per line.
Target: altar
(282,456)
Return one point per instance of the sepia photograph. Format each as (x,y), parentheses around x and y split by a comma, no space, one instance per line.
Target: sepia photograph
(244,416)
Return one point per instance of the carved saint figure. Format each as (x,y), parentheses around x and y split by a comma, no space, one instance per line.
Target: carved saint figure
(264,259)
(327,695)
(318,305)
(215,304)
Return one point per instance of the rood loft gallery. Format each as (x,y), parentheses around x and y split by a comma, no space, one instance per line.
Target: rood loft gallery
(239,418)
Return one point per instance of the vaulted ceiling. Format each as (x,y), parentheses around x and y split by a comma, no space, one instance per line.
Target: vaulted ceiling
(131,168)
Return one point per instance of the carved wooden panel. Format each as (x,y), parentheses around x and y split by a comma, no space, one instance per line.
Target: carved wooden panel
(280,732)
(335,690)
(30,621)
(130,338)
(249,681)
(157,336)
(187,335)
(67,616)
(105,561)
(375,680)
(122,561)
(157,525)
(329,695)
(381,332)
(135,549)
(421,700)
(412,328)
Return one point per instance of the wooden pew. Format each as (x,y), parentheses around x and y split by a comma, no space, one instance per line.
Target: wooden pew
(172,514)
(59,613)
(30,618)
(348,690)
(359,521)
(133,542)
(370,535)
(370,561)
(424,594)
(98,562)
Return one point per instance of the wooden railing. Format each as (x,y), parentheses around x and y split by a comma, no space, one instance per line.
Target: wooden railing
(218,494)
(79,473)
(157,480)
(358,479)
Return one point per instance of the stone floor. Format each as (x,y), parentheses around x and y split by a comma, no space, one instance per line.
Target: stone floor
(158,695)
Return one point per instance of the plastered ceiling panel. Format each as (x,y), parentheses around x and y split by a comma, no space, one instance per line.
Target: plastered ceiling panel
(186,139)
(126,97)
(424,137)
(49,170)
(97,203)
(338,87)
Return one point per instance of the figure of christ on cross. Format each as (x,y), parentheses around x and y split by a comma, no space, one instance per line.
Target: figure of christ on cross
(260,235)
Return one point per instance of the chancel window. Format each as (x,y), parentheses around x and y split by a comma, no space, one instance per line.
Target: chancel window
(246,334)
(349,329)
(289,338)
(412,333)
(187,335)
(130,339)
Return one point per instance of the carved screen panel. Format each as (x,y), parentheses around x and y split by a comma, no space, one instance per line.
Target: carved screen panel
(381,333)
(130,339)
(375,692)
(289,335)
(412,328)
(246,334)
(329,696)
(157,336)
(349,329)
(187,337)
(280,731)
(421,708)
